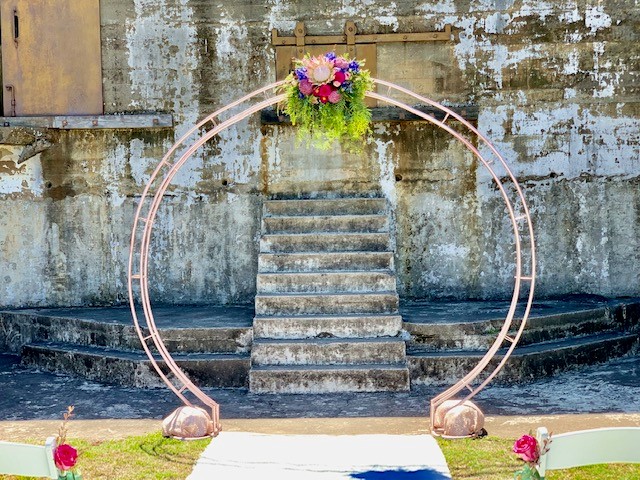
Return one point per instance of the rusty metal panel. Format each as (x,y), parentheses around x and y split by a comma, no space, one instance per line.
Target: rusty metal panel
(51,61)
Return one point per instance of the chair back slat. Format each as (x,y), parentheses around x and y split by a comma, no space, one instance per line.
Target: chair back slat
(28,460)
(590,447)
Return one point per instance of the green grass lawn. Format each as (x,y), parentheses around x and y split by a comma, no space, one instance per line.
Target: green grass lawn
(154,457)
(490,458)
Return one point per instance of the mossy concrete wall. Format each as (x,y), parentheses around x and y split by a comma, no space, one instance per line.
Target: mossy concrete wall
(556,84)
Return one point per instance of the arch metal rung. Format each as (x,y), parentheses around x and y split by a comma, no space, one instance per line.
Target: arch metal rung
(148,337)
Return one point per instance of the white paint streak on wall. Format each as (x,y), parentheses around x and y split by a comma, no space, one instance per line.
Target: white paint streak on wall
(555,144)
(571,65)
(387,167)
(162,59)
(279,16)
(444,6)
(114,165)
(26,178)
(596,18)
(538,9)
(386,15)
(607,77)
(476,38)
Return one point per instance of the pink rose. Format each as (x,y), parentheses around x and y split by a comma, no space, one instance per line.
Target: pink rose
(526,447)
(338,78)
(65,456)
(324,90)
(334,97)
(306,87)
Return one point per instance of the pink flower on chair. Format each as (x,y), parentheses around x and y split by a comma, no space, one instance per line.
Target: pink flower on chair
(526,447)
(65,456)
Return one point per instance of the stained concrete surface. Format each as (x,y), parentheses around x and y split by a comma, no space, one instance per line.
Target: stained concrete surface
(29,394)
(165,316)
(241,315)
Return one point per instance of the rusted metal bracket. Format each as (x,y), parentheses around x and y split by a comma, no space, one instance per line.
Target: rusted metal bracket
(12,89)
(351,37)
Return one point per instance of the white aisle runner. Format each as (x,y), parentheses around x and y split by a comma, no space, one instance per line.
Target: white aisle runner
(239,455)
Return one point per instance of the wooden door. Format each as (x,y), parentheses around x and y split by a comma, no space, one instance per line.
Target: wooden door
(51,61)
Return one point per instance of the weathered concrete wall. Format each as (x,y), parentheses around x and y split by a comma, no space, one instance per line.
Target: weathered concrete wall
(556,84)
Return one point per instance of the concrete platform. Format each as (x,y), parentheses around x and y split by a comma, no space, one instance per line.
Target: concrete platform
(444,341)
(413,312)
(28,394)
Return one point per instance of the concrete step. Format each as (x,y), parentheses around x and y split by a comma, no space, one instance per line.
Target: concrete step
(329,379)
(326,282)
(526,363)
(468,330)
(325,242)
(340,326)
(327,223)
(326,303)
(134,369)
(113,327)
(333,206)
(324,261)
(328,351)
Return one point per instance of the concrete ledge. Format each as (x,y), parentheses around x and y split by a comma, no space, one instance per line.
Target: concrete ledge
(72,122)
(526,363)
(134,369)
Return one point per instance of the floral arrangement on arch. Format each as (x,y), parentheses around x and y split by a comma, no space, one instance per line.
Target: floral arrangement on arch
(64,455)
(528,449)
(325,98)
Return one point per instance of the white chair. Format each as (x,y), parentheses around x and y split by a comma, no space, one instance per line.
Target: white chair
(28,460)
(588,447)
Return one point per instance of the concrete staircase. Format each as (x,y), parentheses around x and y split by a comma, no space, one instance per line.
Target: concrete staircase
(326,305)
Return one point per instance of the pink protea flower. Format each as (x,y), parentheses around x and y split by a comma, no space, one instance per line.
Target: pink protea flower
(306,87)
(319,70)
(334,97)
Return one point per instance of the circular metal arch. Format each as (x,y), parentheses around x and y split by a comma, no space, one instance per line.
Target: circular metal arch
(464,132)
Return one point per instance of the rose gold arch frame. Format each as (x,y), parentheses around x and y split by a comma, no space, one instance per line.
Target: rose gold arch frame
(469,136)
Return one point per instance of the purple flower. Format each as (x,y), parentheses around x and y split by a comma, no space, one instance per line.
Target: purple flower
(330,56)
(301,73)
(347,87)
(354,66)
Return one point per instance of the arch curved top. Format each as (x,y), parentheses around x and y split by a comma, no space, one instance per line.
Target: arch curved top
(468,135)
